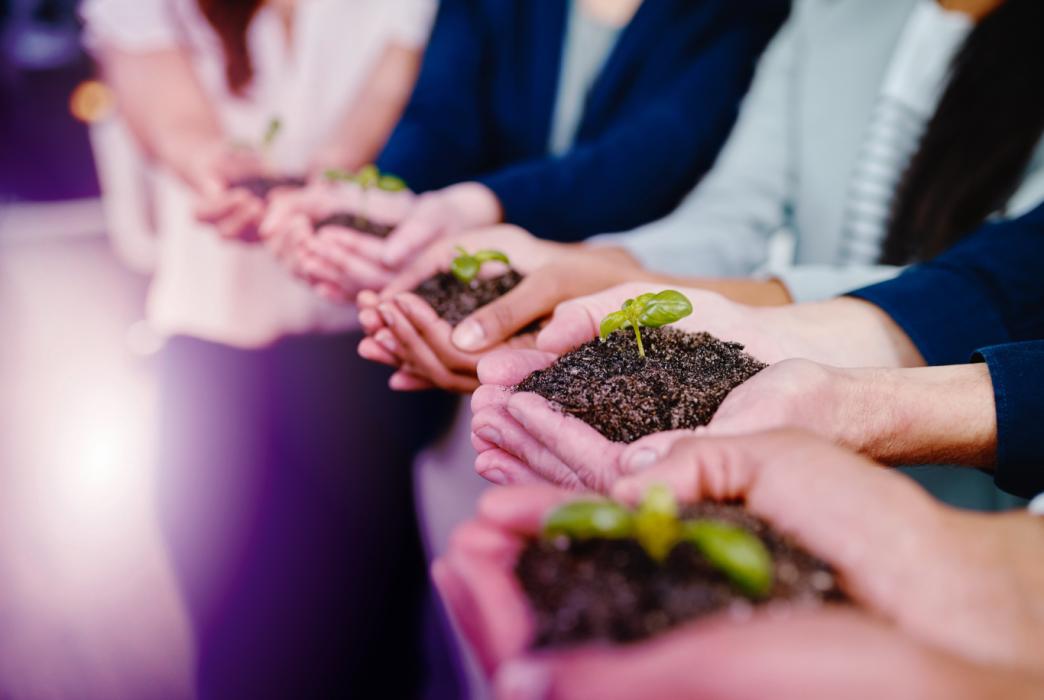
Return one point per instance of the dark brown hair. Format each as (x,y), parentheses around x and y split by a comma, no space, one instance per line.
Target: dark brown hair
(977,146)
(230,19)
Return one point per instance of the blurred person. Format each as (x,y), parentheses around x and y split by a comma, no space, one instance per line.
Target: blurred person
(284,472)
(566,118)
(872,137)
(983,299)
(948,601)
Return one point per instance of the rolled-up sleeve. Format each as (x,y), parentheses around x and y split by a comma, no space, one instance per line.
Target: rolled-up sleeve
(1017,373)
(130,25)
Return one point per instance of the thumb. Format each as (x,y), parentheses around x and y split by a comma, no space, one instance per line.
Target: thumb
(533,298)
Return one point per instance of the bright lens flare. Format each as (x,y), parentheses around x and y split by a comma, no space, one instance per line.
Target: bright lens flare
(91,101)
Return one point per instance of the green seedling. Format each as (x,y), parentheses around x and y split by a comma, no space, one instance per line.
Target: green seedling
(738,554)
(582,520)
(649,310)
(367,178)
(465,267)
(734,551)
(275,125)
(656,525)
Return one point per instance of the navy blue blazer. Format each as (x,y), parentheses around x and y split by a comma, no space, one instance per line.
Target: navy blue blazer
(984,300)
(652,123)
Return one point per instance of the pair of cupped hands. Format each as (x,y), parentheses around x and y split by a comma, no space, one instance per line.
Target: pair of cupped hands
(947,602)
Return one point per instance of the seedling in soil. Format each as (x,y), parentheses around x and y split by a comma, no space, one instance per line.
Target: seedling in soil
(649,310)
(367,178)
(465,267)
(738,554)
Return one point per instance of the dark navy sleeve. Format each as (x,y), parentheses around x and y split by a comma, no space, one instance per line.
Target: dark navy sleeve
(986,290)
(639,170)
(1017,373)
(442,136)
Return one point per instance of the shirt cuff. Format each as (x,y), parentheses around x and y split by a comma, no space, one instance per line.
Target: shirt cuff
(945,316)
(1017,373)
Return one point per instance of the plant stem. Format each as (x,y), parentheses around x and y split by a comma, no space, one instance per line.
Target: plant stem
(638,337)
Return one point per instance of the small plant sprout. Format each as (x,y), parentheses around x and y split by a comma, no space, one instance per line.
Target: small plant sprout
(465,267)
(275,125)
(649,310)
(738,554)
(368,177)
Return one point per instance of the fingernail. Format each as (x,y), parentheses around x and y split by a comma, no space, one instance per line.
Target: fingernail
(489,434)
(495,476)
(386,313)
(469,335)
(523,680)
(642,459)
(387,341)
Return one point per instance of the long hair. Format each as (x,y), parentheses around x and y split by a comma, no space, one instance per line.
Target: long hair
(230,19)
(977,146)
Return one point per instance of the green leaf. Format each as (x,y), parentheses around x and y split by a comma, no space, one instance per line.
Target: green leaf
(367,176)
(614,321)
(391,183)
(660,309)
(484,256)
(585,519)
(465,268)
(656,525)
(737,553)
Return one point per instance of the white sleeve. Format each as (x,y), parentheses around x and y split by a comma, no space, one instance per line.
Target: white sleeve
(724,226)
(820,282)
(130,25)
(410,21)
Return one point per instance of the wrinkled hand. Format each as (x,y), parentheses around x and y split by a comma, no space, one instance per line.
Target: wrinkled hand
(522,438)
(894,548)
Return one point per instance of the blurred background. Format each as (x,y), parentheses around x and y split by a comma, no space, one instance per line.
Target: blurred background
(88,606)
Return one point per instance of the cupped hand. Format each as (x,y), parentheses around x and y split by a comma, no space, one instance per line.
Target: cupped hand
(234,212)
(797,653)
(405,332)
(522,438)
(949,578)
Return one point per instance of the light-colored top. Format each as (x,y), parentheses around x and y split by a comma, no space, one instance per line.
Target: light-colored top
(227,291)
(775,201)
(909,97)
(586,46)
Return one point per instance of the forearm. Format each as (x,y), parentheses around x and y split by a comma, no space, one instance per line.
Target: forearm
(164,106)
(927,415)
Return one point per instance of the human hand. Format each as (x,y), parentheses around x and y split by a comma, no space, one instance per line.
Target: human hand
(337,261)
(437,214)
(212,172)
(951,579)
(425,346)
(798,653)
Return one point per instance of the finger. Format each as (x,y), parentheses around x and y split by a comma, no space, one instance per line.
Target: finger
(499,467)
(571,325)
(489,396)
(367,299)
(332,293)
(592,457)
(436,333)
(359,271)
(405,381)
(436,258)
(369,349)
(509,367)
(417,356)
(240,222)
(521,509)
(220,204)
(370,320)
(407,239)
(362,244)
(534,297)
(497,427)
(647,451)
